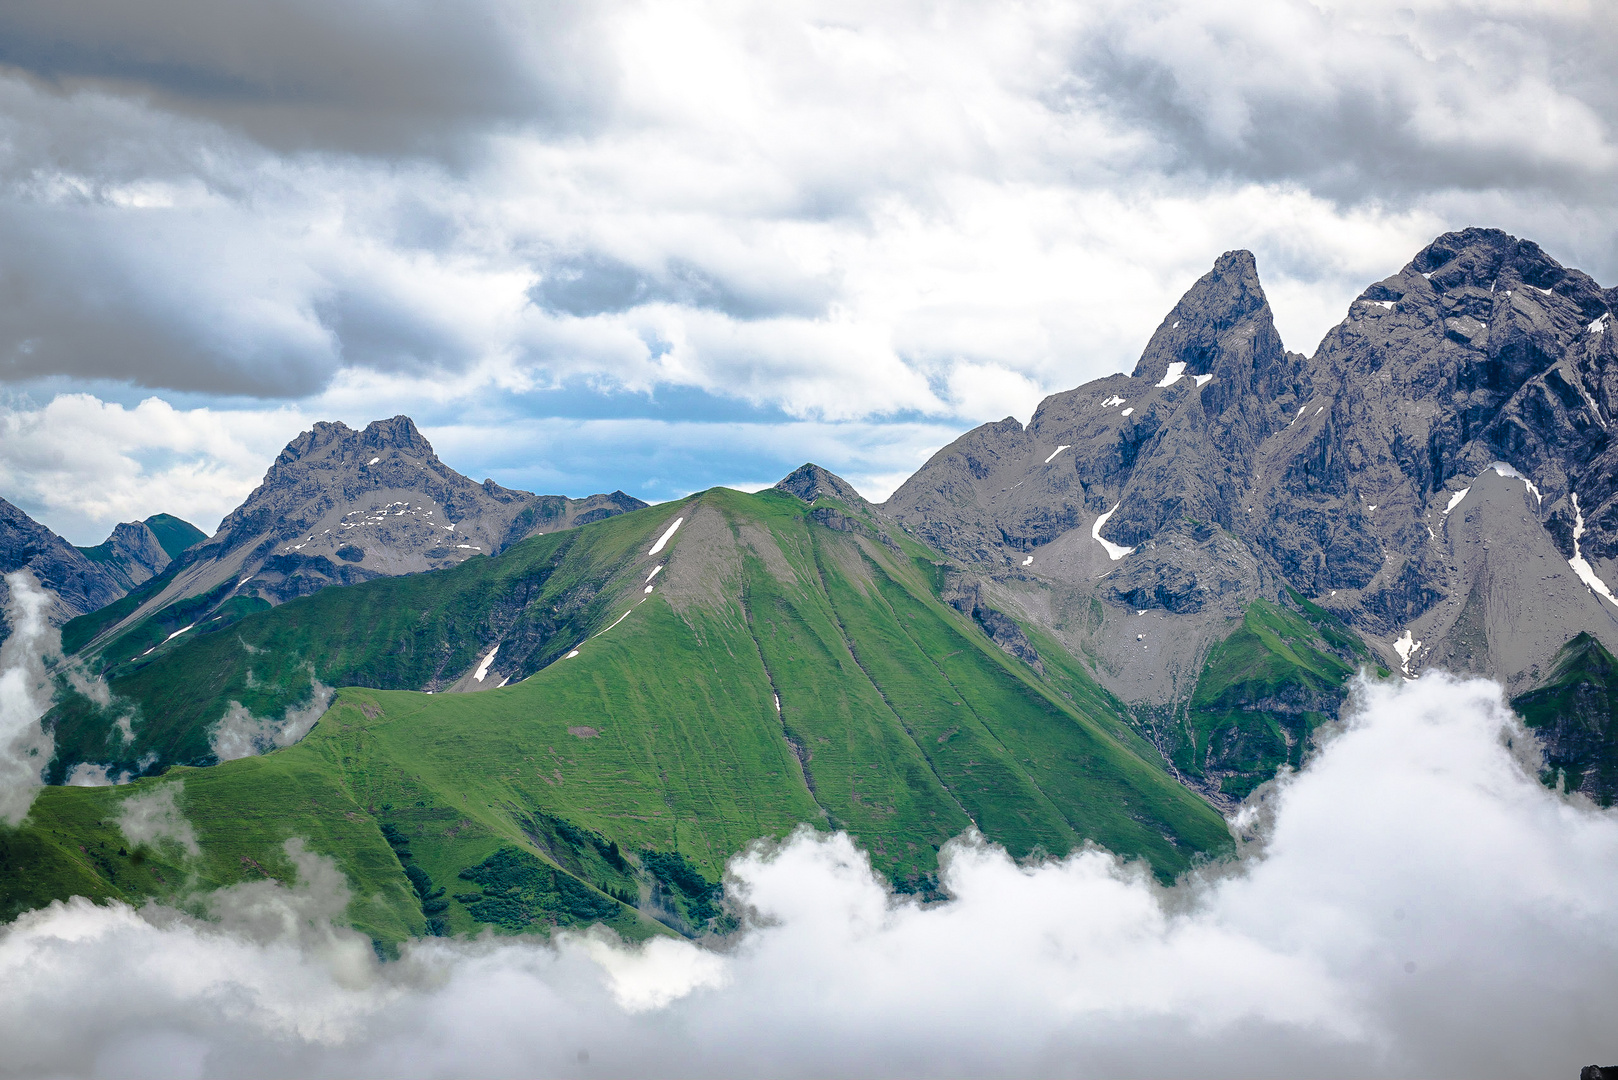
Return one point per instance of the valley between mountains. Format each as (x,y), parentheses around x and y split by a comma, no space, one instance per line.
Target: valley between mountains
(1109,625)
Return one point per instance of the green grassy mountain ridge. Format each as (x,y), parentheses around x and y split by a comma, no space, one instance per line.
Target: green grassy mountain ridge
(777,662)
(1098,626)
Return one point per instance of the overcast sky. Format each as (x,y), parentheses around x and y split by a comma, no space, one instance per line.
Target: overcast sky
(659,247)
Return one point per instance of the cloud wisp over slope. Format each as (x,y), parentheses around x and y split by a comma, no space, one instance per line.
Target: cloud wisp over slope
(1413,902)
(747,215)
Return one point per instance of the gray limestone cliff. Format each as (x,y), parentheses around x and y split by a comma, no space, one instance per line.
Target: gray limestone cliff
(1439,477)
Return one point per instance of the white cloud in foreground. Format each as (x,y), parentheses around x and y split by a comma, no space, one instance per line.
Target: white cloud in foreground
(240,734)
(1413,903)
(154,817)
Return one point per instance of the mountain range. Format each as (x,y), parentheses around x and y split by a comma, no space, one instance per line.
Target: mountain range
(1109,624)
(338,507)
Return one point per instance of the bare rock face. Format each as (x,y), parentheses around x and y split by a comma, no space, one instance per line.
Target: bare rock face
(1125,493)
(341,506)
(1439,476)
(79,584)
(810,482)
(133,554)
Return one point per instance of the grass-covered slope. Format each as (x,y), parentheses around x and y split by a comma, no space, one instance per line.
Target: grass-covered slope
(174,534)
(1575,714)
(370,816)
(1263,691)
(411,632)
(779,671)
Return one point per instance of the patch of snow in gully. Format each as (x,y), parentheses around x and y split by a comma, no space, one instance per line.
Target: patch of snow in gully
(483,668)
(1580,565)
(1114,551)
(661,540)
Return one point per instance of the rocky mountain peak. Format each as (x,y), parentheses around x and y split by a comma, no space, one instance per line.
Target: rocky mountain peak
(1494,261)
(398,433)
(1227,470)
(809,482)
(334,438)
(341,506)
(1227,298)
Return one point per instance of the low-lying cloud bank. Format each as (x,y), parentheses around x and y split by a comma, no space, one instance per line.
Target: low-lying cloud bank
(1412,903)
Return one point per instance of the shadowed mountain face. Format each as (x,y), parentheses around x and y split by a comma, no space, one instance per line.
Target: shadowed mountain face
(338,507)
(138,551)
(1438,477)
(80,584)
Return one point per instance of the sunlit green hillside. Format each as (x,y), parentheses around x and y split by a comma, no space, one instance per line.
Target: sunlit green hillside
(787,664)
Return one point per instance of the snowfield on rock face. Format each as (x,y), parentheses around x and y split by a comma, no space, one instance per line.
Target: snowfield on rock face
(483,668)
(1174,374)
(1581,566)
(1114,551)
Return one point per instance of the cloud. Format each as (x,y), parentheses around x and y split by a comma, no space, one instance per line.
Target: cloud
(153,816)
(822,213)
(823,209)
(1366,100)
(240,734)
(25,694)
(84,464)
(368,77)
(1412,902)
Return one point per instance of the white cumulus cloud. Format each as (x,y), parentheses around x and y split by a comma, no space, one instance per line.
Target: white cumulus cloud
(1413,902)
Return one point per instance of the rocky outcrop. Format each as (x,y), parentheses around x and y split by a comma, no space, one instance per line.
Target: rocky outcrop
(133,554)
(1439,475)
(810,482)
(341,506)
(1575,714)
(966,596)
(79,584)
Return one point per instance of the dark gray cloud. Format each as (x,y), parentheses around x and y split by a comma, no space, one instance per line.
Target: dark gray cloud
(369,76)
(1373,102)
(89,303)
(825,213)
(595,284)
